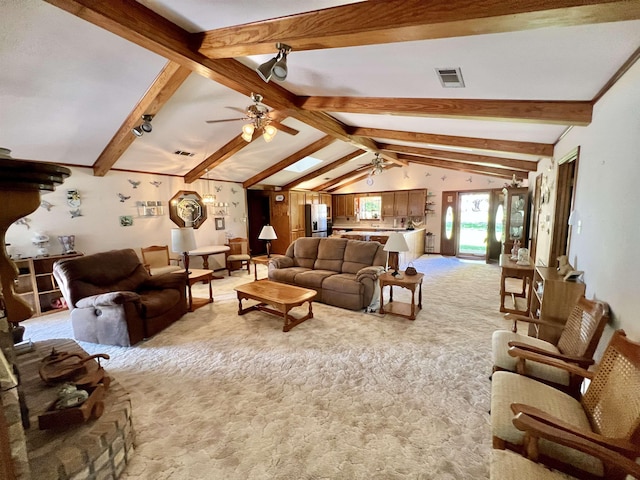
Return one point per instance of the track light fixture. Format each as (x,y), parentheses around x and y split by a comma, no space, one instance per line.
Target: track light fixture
(277,66)
(144,127)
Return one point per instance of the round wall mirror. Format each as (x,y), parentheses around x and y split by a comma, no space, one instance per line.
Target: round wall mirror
(186,209)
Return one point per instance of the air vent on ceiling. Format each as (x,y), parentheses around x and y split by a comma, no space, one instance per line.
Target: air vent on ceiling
(450,77)
(183,153)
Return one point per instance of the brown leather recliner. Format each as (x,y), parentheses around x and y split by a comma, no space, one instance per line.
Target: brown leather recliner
(114,300)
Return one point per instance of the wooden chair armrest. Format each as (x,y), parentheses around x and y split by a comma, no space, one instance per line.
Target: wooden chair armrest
(581,361)
(147,267)
(537,428)
(547,360)
(536,321)
(619,445)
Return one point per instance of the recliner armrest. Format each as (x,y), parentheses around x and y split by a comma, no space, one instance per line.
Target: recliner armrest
(369,272)
(106,299)
(164,280)
(281,262)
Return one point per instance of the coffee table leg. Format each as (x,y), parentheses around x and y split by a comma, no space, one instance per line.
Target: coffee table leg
(420,295)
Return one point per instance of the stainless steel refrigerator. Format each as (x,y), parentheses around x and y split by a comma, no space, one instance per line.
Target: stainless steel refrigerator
(315,220)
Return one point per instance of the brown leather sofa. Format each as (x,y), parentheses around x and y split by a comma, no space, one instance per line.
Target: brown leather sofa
(114,300)
(343,272)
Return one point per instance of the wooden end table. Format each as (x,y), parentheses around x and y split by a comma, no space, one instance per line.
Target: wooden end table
(261,260)
(401,309)
(510,269)
(281,296)
(198,275)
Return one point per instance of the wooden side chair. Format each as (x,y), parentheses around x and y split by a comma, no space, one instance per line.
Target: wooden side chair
(157,260)
(577,344)
(608,413)
(238,255)
(379,238)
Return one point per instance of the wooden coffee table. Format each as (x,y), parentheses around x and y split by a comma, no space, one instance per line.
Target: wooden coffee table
(280,296)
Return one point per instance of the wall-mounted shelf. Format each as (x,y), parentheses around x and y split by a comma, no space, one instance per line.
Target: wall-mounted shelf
(150,208)
(219,208)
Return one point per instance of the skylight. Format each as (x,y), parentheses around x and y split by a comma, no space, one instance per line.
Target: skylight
(302,165)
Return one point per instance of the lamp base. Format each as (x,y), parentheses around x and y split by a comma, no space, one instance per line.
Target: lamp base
(395,273)
(268,249)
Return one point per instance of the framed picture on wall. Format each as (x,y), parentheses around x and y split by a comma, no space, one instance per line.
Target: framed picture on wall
(219,223)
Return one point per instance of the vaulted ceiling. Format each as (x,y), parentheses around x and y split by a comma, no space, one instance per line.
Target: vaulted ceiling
(78,75)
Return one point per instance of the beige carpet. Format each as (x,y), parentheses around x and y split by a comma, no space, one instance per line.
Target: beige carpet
(345,395)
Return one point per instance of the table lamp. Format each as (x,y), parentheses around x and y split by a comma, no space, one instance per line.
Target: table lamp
(395,244)
(268,233)
(182,241)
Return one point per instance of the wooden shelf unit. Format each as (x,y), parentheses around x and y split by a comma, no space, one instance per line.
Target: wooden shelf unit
(35,282)
(553,298)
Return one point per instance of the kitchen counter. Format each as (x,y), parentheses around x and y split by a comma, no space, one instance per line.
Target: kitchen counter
(371,229)
(414,238)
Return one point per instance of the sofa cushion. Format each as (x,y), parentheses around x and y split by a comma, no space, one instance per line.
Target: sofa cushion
(313,278)
(359,254)
(331,254)
(305,251)
(343,282)
(286,275)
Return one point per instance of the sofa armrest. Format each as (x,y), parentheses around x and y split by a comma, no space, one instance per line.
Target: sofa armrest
(106,299)
(281,262)
(369,272)
(164,280)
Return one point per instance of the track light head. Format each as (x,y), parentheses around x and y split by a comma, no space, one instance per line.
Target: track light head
(277,66)
(137,131)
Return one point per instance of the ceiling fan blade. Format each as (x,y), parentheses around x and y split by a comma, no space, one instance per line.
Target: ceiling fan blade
(226,120)
(284,128)
(237,109)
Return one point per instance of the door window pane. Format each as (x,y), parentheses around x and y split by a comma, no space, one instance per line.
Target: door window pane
(448,223)
(499,230)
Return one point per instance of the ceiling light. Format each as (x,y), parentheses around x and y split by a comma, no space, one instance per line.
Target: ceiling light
(145,126)
(276,66)
(269,132)
(137,131)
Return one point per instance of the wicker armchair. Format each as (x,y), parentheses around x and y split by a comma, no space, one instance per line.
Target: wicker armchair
(515,352)
(608,413)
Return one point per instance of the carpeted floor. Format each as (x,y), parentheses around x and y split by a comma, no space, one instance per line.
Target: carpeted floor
(345,395)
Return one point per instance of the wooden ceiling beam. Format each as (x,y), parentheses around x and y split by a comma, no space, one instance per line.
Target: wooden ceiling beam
(142,26)
(535,111)
(385,21)
(322,170)
(290,160)
(217,157)
(525,165)
(527,148)
(157,95)
(354,179)
(466,167)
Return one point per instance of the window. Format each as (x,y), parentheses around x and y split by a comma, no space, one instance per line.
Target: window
(369,208)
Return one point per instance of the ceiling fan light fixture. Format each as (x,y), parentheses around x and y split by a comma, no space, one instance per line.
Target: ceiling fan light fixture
(269,131)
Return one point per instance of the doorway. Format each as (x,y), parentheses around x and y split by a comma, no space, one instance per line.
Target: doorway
(259,214)
(468,223)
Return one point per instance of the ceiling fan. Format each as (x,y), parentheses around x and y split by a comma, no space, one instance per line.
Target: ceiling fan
(258,116)
(376,166)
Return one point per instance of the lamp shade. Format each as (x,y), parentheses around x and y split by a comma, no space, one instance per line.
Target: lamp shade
(267,233)
(396,243)
(182,240)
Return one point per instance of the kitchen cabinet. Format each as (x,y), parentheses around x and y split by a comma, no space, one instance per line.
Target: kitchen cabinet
(387,204)
(553,299)
(36,285)
(401,204)
(349,205)
(417,201)
(296,210)
(325,199)
(516,217)
(312,198)
(338,206)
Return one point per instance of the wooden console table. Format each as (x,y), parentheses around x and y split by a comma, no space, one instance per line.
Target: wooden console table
(511,269)
(401,309)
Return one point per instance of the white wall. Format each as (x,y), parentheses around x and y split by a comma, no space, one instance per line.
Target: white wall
(420,176)
(607,200)
(99,229)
